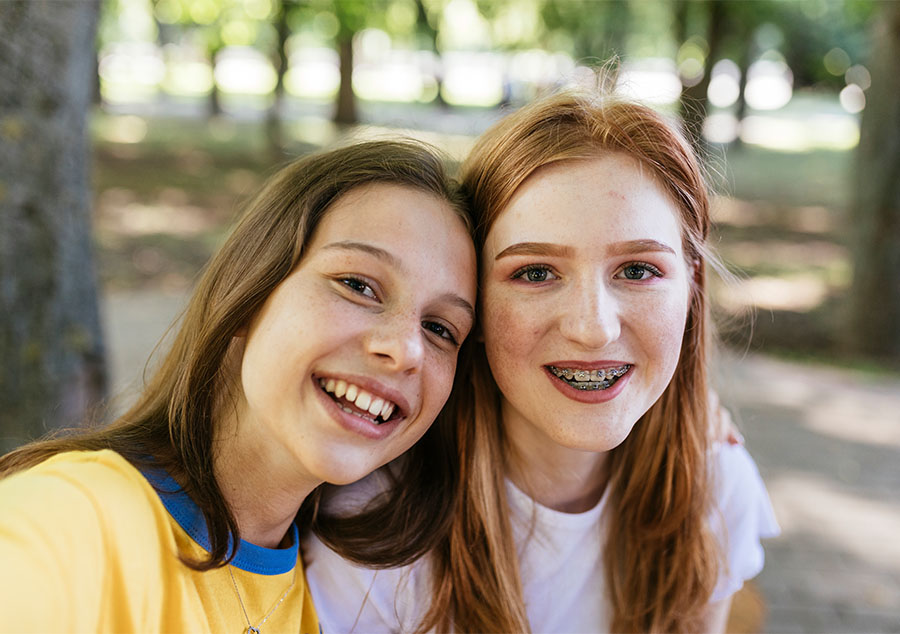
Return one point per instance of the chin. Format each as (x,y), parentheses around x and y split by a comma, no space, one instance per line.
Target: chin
(343,469)
(598,439)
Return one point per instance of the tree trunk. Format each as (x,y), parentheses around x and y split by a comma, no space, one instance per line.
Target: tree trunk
(345,112)
(694,98)
(429,33)
(274,131)
(874,327)
(52,368)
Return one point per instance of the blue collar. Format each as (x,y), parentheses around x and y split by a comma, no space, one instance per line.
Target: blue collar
(249,557)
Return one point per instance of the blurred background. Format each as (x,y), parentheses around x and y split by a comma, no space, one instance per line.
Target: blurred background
(131,132)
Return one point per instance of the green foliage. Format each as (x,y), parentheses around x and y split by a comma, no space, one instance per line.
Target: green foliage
(597,29)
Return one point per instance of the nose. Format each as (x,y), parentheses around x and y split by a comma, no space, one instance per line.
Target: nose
(590,315)
(398,344)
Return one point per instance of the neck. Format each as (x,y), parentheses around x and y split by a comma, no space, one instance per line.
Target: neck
(558,477)
(261,484)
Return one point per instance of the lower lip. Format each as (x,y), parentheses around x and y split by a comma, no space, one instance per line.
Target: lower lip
(351,422)
(589,396)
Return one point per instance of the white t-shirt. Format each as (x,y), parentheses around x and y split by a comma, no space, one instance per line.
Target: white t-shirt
(560,559)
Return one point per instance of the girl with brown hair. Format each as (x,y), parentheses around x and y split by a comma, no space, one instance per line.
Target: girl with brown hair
(320,343)
(590,496)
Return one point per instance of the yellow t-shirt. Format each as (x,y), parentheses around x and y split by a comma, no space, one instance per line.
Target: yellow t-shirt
(88,545)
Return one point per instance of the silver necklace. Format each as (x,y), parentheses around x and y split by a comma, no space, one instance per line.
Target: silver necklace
(255,630)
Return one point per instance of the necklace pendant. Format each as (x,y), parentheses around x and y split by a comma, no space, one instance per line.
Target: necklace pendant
(252,630)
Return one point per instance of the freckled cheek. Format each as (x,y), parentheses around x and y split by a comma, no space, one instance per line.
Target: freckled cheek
(508,334)
(665,333)
(436,386)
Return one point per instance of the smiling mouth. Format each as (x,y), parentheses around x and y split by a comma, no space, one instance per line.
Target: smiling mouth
(590,380)
(359,402)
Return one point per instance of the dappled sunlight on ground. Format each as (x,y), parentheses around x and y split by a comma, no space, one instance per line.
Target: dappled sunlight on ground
(864,528)
(123,129)
(119,212)
(786,254)
(798,292)
(742,213)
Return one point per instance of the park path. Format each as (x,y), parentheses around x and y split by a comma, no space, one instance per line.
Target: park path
(827,442)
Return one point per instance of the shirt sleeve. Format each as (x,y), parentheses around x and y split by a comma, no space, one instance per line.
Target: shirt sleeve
(742,517)
(59,557)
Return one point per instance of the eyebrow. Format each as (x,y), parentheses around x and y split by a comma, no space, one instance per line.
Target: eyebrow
(349,245)
(381,254)
(459,302)
(639,246)
(550,249)
(536,248)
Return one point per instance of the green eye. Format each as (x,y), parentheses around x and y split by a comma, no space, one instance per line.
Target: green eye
(534,273)
(638,271)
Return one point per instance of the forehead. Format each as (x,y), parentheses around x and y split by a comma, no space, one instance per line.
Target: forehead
(387,209)
(417,229)
(589,202)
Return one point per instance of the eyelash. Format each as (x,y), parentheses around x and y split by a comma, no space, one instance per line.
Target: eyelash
(350,282)
(525,270)
(655,272)
(447,336)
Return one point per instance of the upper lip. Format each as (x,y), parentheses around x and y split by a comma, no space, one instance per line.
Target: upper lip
(588,365)
(372,386)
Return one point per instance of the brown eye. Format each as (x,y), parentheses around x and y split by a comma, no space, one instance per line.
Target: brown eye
(358,286)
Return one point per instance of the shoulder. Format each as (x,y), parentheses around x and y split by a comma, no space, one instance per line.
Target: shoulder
(83,492)
(742,516)
(70,524)
(83,474)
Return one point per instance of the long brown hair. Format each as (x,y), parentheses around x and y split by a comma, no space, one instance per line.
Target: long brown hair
(660,557)
(172,424)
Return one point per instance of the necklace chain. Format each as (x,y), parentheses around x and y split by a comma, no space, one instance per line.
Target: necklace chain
(250,628)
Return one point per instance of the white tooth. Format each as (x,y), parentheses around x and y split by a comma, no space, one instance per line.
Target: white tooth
(340,388)
(568,374)
(352,391)
(375,407)
(363,400)
(387,410)
(582,375)
(329,386)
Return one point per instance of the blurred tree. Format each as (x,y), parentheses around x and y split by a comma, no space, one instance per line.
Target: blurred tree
(428,34)
(280,62)
(696,56)
(875,293)
(50,338)
(597,29)
(351,15)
